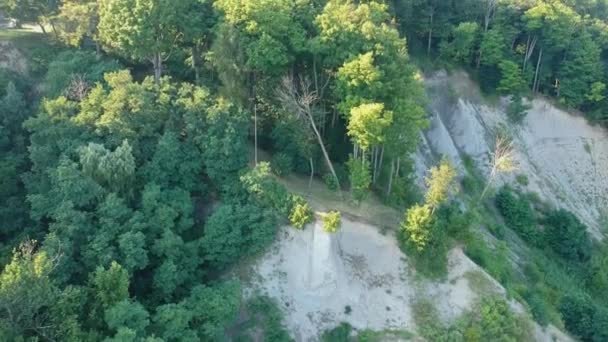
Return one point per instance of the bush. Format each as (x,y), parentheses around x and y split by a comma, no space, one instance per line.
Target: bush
(493,320)
(332,221)
(282,164)
(330,182)
(360,178)
(517,110)
(522,180)
(301,214)
(269,193)
(425,239)
(567,236)
(341,333)
(495,262)
(577,311)
(538,307)
(518,215)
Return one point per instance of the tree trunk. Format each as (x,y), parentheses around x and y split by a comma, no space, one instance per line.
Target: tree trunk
(333,118)
(157,62)
(530,45)
(255,132)
(196,63)
(375,163)
(42,27)
(538,65)
(54,29)
(312,172)
(398,166)
(390,178)
(430,39)
(325,154)
(97,49)
(380,161)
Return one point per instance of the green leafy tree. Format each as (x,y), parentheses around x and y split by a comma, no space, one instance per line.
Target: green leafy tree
(440,184)
(77,22)
(32,306)
(233,231)
(512,80)
(111,285)
(127,314)
(142,30)
(580,69)
(460,48)
(213,308)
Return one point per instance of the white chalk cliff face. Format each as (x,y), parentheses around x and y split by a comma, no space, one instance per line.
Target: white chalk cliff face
(564,157)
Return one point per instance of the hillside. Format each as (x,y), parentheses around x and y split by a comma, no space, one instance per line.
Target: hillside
(563,157)
(310,170)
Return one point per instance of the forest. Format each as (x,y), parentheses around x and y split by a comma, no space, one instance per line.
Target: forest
(139,154)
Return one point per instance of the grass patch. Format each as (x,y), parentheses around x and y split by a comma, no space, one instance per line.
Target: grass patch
(368,335)
(480,283)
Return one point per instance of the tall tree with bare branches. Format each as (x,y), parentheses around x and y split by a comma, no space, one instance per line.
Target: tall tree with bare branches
(299,99)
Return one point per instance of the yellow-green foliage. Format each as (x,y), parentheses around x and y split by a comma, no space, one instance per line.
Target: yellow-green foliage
(417,225)
(332,221)
(440,183)
(301,214)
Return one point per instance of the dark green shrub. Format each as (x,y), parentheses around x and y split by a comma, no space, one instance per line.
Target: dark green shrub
(518,215)
(522,180)
(495,262)
(577,311)
(330,182)
(341,333)
(600,325)
(269,319)
(471,185)
(567,236)
(538,307)
(282,164)
(517,110)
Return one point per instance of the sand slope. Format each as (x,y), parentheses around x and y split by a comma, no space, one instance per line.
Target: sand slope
(314,276)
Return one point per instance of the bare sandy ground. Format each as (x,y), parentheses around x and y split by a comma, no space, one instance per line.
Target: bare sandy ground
(315,277)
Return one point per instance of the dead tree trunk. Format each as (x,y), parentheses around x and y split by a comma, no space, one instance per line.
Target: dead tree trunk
(538,65)
(300,101)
